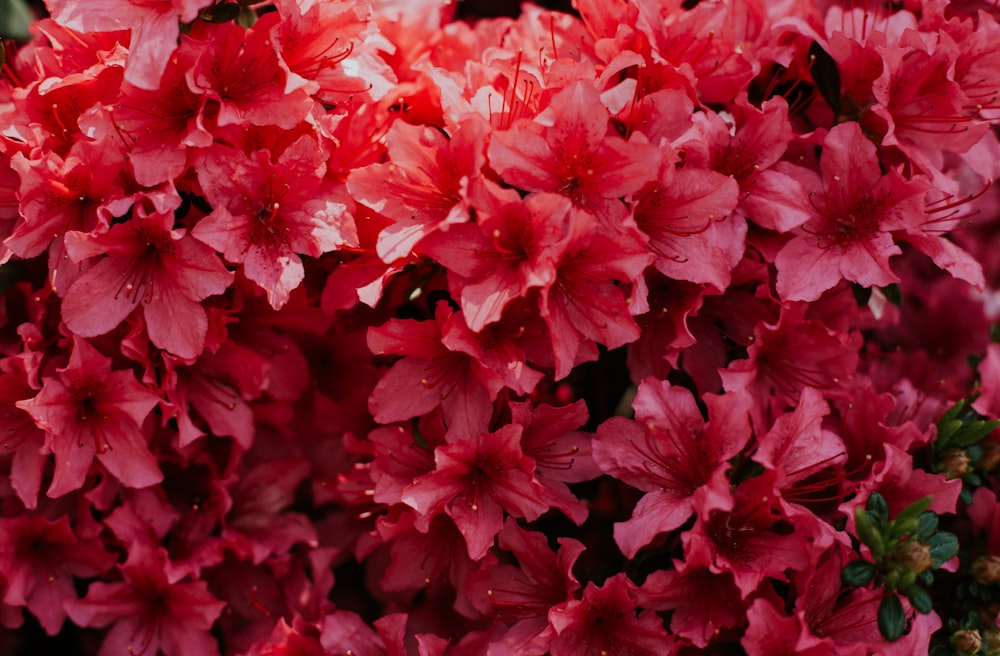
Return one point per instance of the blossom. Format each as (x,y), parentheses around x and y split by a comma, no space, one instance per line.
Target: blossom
(703,602)
(575,156)
(511,249)
(849,236)
(522,595)
(584,305)
(426,185)
(474,481)
(154,29)
(147,612)
(267,212)
(151,267)
(604,621)
(88,410)
(39,559)
(671,454)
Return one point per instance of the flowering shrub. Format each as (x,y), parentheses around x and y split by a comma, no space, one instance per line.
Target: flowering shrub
(368,327)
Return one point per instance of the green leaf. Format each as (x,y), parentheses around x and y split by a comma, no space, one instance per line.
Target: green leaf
(893,294)
(907,520)
(947,430)
(973,432)
(927,523)
(919,599)
(878,508)
(15,17)
(857,573)
(891,618)
(868,533)
(943,546)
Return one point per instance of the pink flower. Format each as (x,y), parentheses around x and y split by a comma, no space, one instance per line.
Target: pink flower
(703,602)
(427,376)
(745,534)
(686,215)
(79,192)
(575,156)
(475,480)
(562,454)
(238,69)
(160,126)
(425,185)
(149,267)
(512,248)
(268,211)
(40,558)
(521,595)
(148,613)
(671,454)
(22,436)
(88,410)
(584,305)
(154,25)
(850,234)
(604,621)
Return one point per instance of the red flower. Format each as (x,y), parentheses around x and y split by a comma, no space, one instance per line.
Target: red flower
(797,448)
(562,454)
(512,248)
(584,305)
(474,482)
(575,156)
(238,69)
(703,602)
(39,559)
(22,436)
(86,410)
(850,234)
(521,595)
(147,612)
(671,453)
(747,535)
(267,212)
(79,192)
(151,267)
(686,215)
(604,622)
(425,185)
(788,356)
(154,25)
(161,125)
(431,373)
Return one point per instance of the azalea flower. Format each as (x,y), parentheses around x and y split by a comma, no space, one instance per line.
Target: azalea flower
(147,612)
(87,411)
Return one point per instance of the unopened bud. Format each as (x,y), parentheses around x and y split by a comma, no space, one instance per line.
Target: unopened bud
(966,642)
(954,463)
(991,642)
(986,569)
(990,459)
(913,556)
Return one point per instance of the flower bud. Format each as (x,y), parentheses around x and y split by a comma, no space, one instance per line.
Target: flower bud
(990,459)
(986,569)
(991,642)
(966,642)
(954,463)
(912,556)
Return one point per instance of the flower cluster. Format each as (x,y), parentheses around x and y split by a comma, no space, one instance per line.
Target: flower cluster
(371,327)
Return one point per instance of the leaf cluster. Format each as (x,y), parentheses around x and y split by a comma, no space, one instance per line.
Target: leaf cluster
(904,552)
